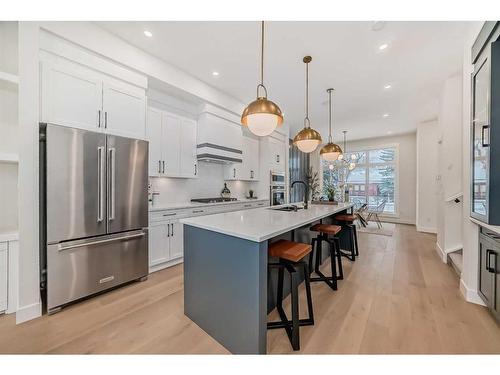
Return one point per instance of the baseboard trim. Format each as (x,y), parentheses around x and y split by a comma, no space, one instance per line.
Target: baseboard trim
(25,313)
(395,220)
(162,266)
(470,295)
(454,248)
(426,229)
(441,253)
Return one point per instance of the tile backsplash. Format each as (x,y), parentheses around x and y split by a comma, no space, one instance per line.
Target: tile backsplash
(209,183)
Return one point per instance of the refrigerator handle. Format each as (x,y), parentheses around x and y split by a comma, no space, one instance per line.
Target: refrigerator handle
(111,183)
(100,180)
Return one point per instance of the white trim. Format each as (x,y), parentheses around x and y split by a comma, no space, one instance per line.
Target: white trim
(441,253)
(8,77)
(161,266)
(454,248)
(453,197)
(9,158)
(13,276)
(470,295)
(426,229)
(29,312)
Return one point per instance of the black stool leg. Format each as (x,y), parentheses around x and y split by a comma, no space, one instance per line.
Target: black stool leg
(279,297)
(333,255)
(294,285)
(311,255)
(307,281)
(355,238)
(319,253)
(339,258)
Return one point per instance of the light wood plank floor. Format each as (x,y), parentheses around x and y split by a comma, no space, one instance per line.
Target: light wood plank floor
(398,297)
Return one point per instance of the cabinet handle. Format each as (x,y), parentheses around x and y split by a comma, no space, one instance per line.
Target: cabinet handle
(197,211)
(99,118)
(260,204)
(251,174)
(173,214)
(234,172)
(172,228)
(168,230)
(247,205)
(163,166)
(195,169)
(105,119)
(277,158)
(485,127)
(489,253)
(159,166)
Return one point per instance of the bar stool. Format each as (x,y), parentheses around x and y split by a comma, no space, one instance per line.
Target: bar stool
(291,255)
(324,231)
(347,221)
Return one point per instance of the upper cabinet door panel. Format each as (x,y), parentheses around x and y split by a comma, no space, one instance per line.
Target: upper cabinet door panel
(188,161)
(153,131)
(171,132)
(71,96)
(124,110)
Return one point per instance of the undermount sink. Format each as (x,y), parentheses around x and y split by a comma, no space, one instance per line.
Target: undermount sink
(291,208)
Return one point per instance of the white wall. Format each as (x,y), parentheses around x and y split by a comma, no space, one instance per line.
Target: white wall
(427,175)
(407,170)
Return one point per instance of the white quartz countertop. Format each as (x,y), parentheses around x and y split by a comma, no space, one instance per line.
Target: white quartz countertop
(180,205)
(261,224)
(9,236)
(493,228)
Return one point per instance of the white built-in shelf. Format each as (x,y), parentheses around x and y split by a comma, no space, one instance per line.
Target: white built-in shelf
(9,158)
(8,80)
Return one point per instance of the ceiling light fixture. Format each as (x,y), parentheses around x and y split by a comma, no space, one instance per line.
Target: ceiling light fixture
(385,115)
(308,139)
(149,34)
(383,46)
(387,87)
(330,151)
(215,74)
(262,116)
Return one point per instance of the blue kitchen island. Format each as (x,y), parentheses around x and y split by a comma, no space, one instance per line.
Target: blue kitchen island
(228,290)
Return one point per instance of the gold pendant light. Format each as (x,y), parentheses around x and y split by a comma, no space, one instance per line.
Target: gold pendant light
(330,151)
(308,139)
(262,116)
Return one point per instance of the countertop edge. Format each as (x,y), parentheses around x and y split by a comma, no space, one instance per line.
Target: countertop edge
(493,228)
(9,236)
(196,205)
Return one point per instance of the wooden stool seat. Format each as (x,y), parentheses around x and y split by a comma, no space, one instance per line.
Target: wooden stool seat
(345,217)
(289,250)
(326,228)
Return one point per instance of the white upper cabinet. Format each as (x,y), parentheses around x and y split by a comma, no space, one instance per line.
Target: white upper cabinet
(172,145)
(76,96)
(124,109)
(71,95)
(154,135)
(277,149)
(248,170)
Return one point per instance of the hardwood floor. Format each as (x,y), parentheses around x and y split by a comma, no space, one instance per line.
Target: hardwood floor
(398,297)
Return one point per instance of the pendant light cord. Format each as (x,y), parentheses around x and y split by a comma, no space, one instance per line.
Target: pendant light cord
(307,97)
(261,84)
(330,115)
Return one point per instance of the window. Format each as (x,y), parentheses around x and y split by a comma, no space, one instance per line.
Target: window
(373,181)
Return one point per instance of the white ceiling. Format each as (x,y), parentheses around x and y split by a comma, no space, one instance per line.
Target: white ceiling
(420,56)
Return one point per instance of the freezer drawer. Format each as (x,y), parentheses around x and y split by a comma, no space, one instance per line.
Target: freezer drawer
(77,269)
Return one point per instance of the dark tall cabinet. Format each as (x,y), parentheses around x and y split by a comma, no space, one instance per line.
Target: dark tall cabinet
(489,269)
(485,122)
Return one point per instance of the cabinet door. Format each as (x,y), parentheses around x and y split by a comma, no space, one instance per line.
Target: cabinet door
(486,278)
(124,110)
(170,141)
(158,243)
(480,139)
(71,96)
(153,131)
(188,162)
(3,276)
(176,239)
(253,158)
(496,270)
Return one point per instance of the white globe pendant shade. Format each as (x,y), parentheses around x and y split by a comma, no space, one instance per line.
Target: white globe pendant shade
(330,156)
(308,146)
(262,124)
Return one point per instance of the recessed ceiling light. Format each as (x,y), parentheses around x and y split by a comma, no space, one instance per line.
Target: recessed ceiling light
(148,33)
(389,132)
(215,73)
(383,46)
(387,87)
(385,115)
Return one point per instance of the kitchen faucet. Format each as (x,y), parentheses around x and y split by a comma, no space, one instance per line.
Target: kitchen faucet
(306,191)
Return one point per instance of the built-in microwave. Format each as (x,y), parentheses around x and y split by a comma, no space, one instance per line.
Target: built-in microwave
(278,178)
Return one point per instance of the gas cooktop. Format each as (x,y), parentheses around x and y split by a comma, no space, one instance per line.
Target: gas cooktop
(213,200)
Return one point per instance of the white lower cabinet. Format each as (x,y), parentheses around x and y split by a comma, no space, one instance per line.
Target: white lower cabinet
(166,243)
(3,277)
(166,234)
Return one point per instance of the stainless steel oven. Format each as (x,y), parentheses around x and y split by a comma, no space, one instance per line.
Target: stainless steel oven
(277,188)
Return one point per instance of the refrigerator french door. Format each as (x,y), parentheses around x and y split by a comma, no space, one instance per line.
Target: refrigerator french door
(94,212)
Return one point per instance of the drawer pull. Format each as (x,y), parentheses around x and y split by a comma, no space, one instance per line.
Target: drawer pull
(172,214)
(197,211)
(247,205)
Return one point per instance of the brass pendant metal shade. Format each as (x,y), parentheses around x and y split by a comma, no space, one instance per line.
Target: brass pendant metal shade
(330,151)
(262,116)
(307,140)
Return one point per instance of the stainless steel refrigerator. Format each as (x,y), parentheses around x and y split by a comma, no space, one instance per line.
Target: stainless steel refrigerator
(94,212)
